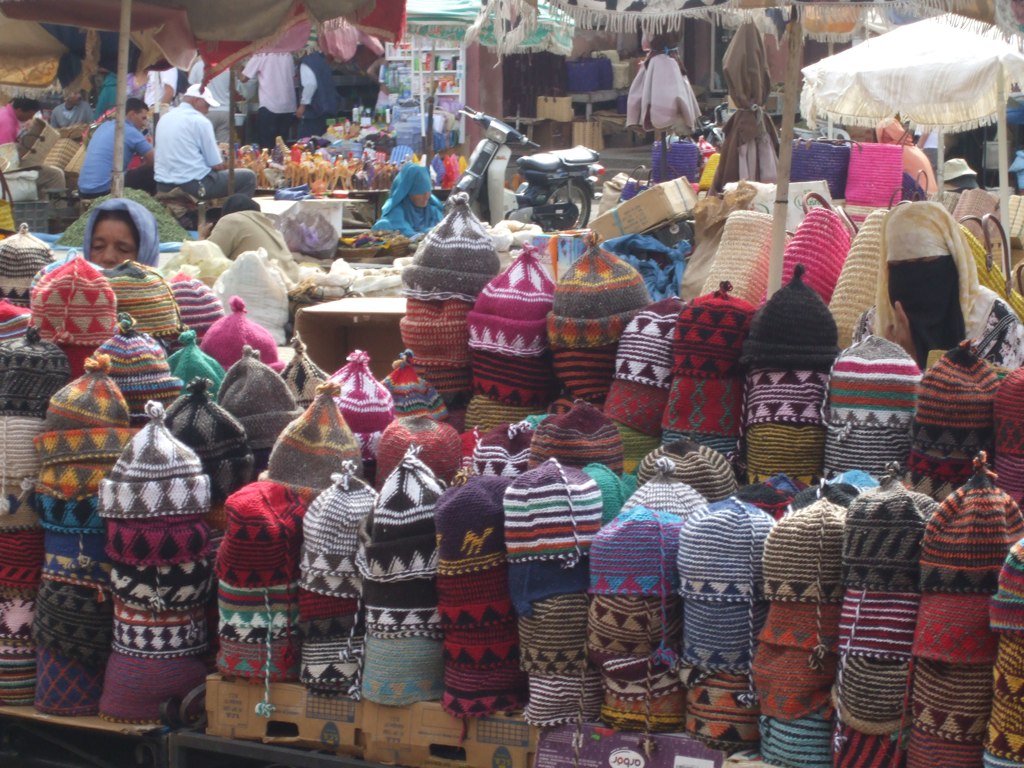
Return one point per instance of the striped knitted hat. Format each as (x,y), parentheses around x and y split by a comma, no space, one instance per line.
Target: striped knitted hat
(870,695)
(558,699)
(703,469)
(1007,607)
(436,331)
(470,522)
(413,395)
(198,306)
(21,256)
(718,713)
(14,320)
(803,555)
(438,445)
(143,293)
(951,702)
(552,640)
(365,403)
(259,399)
(516,381)
(226,339)
(302,375)
(1008,414)
(510,314)
(31,371)
(871,402)
(878,625)
(635,554)
(804,741)
(586,372)
(664,493)
(946,439)
(503,451)
(74,305)
(263,538)
(631,626)
(635,445)
(640,695)
(582,436)
(795,450)
(139,366)
(190,362)
(314,446)
(457,258)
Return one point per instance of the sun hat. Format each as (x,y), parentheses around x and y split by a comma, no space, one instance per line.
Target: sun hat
(957,174)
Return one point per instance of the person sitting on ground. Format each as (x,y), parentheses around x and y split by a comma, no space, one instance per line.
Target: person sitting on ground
(74,110)
(411,208)
(187,155)
(244,227)
(95,178)
(19,110)
(118,230)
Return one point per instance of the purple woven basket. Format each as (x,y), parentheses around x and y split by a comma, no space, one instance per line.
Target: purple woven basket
(683,160)
(584,75)
(828,161)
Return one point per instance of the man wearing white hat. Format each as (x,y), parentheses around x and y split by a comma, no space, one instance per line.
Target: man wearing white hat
(958,176)
(187,155)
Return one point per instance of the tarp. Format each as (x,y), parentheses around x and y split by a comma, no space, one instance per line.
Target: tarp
(449,19)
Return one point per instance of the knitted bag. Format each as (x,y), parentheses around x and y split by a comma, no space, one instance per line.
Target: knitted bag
(854,293)
(821,244)
(743,256)
(683,160)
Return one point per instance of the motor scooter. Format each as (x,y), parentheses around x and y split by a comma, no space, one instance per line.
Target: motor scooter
(558,189)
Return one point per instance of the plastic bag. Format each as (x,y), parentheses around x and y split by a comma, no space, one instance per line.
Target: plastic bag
(255,278)
(310,233)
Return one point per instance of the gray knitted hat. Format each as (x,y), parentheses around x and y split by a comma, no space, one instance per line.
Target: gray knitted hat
(302,375)
(258,397)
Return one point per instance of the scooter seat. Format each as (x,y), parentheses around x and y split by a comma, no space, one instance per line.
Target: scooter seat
(578,155)
(552,161)
(544,162)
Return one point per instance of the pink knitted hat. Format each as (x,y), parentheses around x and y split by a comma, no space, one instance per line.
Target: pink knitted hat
(821,244)
(366,404)
(510,314)
(226,338)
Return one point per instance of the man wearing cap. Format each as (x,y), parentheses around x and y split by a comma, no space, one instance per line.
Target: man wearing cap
(187,155)
(958,176)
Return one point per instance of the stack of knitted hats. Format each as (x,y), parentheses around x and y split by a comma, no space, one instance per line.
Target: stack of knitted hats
(85,431)
(190,362)
(796,657)
(14,320)
(702,468)
(552,514)
(966,542)
(579,437)
(594,301)
(438,446)
(643,376)
(722,586)
(881,553)
(138,364)
(217,438)
(1003,743)
(31,370)
(143,293)
(413,395)
(153,503)
(366,405)
(226,339)
(261,401)
(302,375)
(871,400)
(74,306)
(952,423)
(198,306)
(706,397)
(455,262)
(512,373)
(1008,416)
(330,586)
(21,256)
(503,451)
(635,619)
(403,662)
(481,640)
(789,352)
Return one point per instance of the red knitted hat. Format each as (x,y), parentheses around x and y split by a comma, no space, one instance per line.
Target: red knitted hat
(14,320)
(366,404)
(74,304)
(436,331)
(1009,426)
(226,338)
(516,381)
(586,373)
(440,447)
(582,436)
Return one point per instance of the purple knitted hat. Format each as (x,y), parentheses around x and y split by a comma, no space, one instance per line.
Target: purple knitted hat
(504,451)
(635,554)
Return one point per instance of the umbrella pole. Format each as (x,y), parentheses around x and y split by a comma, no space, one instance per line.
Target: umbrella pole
(117,175)
(940,160)
(231,131)
(796,48)
(1004,160)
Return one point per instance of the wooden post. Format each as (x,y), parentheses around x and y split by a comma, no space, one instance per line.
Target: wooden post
(231,131)
(124,37)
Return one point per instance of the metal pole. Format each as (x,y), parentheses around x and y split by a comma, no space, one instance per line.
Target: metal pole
(1004,160)
(940,160)
(117,172)
(231,131)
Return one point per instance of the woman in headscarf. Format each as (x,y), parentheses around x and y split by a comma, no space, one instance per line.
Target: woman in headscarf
(244,227)
(928,297)
(915,162)
(118,230)
(411,208)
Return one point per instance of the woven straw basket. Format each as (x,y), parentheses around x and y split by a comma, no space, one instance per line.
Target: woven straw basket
(855,289)
(743,255)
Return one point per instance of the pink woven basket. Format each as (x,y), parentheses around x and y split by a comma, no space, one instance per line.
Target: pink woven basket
(875,179)
(821,244)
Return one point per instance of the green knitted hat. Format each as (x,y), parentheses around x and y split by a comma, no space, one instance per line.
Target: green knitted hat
(191,362)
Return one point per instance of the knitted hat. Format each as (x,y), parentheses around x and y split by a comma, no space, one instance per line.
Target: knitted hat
(135,689)
(21,256)
(436,331)
(302,375)
(793,330)
(470,600)
(257,615)
(21,559)
(276,661)
(190,362)
(143,293)
(951,701)
(635,445)
(439,447)
(453,383)
(709,335)
(871,693)
(470,524)
(139,366)
(953,421)
(794,450)
(1009,434)
(558,699)
(315,445)
(665,493)
(632,626)
(76,557)
(968,537)
(640,695)
(803,555)
(718,712)
(594,301)
(74,305)
(552,512)
(258,398)
(14,320)
(66,686)
(643,368)
(171,634)
(954,628)
(615,489)
(74,621)
(854,293)
(365,403)
(703,469)
(470,692)
(18,674)
(821,240)
(510,314)
(585,372)
(226,339)
(215,435)
(413,395)
(483,414)
(552,640)
(330,531)
(16,616)
(457,258)
(503,451)
(262,541)
(878,625)
(159,588)
(582,436)
(1008,603)
(872,395)
(635,554)
(31,371)
(198,306)
(402,671)
(804,741)
(518,381)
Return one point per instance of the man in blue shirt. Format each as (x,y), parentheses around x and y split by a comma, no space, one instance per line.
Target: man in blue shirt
(187,155)
(97,168)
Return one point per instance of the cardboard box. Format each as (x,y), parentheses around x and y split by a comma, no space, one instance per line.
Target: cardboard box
(564,248)
(300,717)
(335,328)
(606,748)
(550,134)
(558,108)
(588,133)
(662,202)
(425,736)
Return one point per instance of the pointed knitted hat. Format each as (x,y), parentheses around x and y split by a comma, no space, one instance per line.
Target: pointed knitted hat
(258,398)
(156,476)
(198,305)
(302,375)
(803,555)
(594,301)
(21,256)
(703,469)
(438,445)
(263,537)
(226,338)
(143,293)
(365,403)
(510,314)
(412,394)
(139,366)
(13,320)
(92,401)
(190,362)
(635,554)
(73,304)
(31,371)
(314,446)
(457,258)
(709,335)
(582,436)
(216,436)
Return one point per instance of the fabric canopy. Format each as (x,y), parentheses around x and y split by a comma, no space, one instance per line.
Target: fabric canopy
(448,20)
(940,74)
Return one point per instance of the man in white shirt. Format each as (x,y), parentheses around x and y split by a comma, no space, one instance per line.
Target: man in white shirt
(218,88)
(187,155)
(74,110)
(275,73)
(161,88)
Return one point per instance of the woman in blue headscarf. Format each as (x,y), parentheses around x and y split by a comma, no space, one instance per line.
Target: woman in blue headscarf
(410,208)
(119,230)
